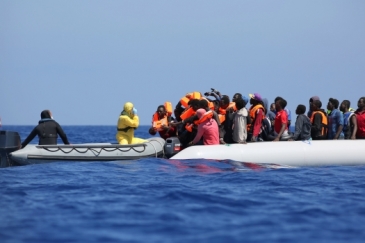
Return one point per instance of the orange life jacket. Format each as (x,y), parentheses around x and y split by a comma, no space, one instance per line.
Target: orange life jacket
(189,96)
(221,118)
(156,122)
(253,111)
(187,113)
(222,112)
(324,123)
(168,107)
(207,115)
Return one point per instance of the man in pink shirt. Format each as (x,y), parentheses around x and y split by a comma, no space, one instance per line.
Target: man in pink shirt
(207,129)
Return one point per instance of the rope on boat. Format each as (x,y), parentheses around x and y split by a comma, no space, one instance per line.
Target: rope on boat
(92,148)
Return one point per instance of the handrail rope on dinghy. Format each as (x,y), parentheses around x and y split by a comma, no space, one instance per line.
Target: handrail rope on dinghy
(93,148)
(163,151)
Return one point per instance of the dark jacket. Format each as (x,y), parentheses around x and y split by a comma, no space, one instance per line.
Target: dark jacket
(302,128)
(47,131)
(317,125)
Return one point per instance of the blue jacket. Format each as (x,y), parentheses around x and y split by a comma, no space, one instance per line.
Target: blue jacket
(335,119)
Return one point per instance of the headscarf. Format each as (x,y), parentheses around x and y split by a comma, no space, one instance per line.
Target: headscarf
(128,110)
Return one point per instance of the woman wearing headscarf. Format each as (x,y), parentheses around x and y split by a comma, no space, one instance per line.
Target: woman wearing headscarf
(127,122)
(47,131)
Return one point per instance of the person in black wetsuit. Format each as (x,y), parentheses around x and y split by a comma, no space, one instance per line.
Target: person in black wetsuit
(47,131)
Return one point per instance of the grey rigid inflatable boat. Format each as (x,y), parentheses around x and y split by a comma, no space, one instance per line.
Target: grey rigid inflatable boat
(36,154)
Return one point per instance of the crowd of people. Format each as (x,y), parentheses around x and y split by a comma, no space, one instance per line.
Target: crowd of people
(213,118)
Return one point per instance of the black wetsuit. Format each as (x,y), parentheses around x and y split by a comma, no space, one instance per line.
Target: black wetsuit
(47,131)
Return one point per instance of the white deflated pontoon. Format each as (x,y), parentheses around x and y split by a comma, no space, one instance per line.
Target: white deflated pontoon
(288,153)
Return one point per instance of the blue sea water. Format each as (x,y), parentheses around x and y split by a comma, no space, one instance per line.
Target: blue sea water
(160,200)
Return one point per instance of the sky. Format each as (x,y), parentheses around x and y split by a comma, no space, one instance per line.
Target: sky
(84,59)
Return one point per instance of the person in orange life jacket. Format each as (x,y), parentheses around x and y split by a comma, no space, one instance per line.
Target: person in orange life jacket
(313,98)
(207,129)
(302,125)
(180,106)
(203,103)
(319,121)
(187,136)
(360,118)
(335,120)
(165,130)
(240,120)
(47,130)
(288,112)
(257,113)
(281,120)
(349,120)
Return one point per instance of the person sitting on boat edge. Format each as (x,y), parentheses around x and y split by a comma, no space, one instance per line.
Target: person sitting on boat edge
(335,120)
(127,122)
(302,125)
(207,129)
(47,130)
(160,123)
(319,121)
(360,117)
(240,121)
(280,127)
(349,120)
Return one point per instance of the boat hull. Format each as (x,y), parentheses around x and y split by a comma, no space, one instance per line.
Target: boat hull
(36,154)
(289,153)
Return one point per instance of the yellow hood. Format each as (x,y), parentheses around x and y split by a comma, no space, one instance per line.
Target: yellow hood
(128,109)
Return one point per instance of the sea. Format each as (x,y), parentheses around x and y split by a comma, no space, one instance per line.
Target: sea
(159,200)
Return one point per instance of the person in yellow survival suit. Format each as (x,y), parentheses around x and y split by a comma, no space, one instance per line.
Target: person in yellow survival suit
(127,122)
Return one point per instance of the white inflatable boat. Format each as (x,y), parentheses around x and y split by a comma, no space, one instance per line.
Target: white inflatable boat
(35,154)
(289,153)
